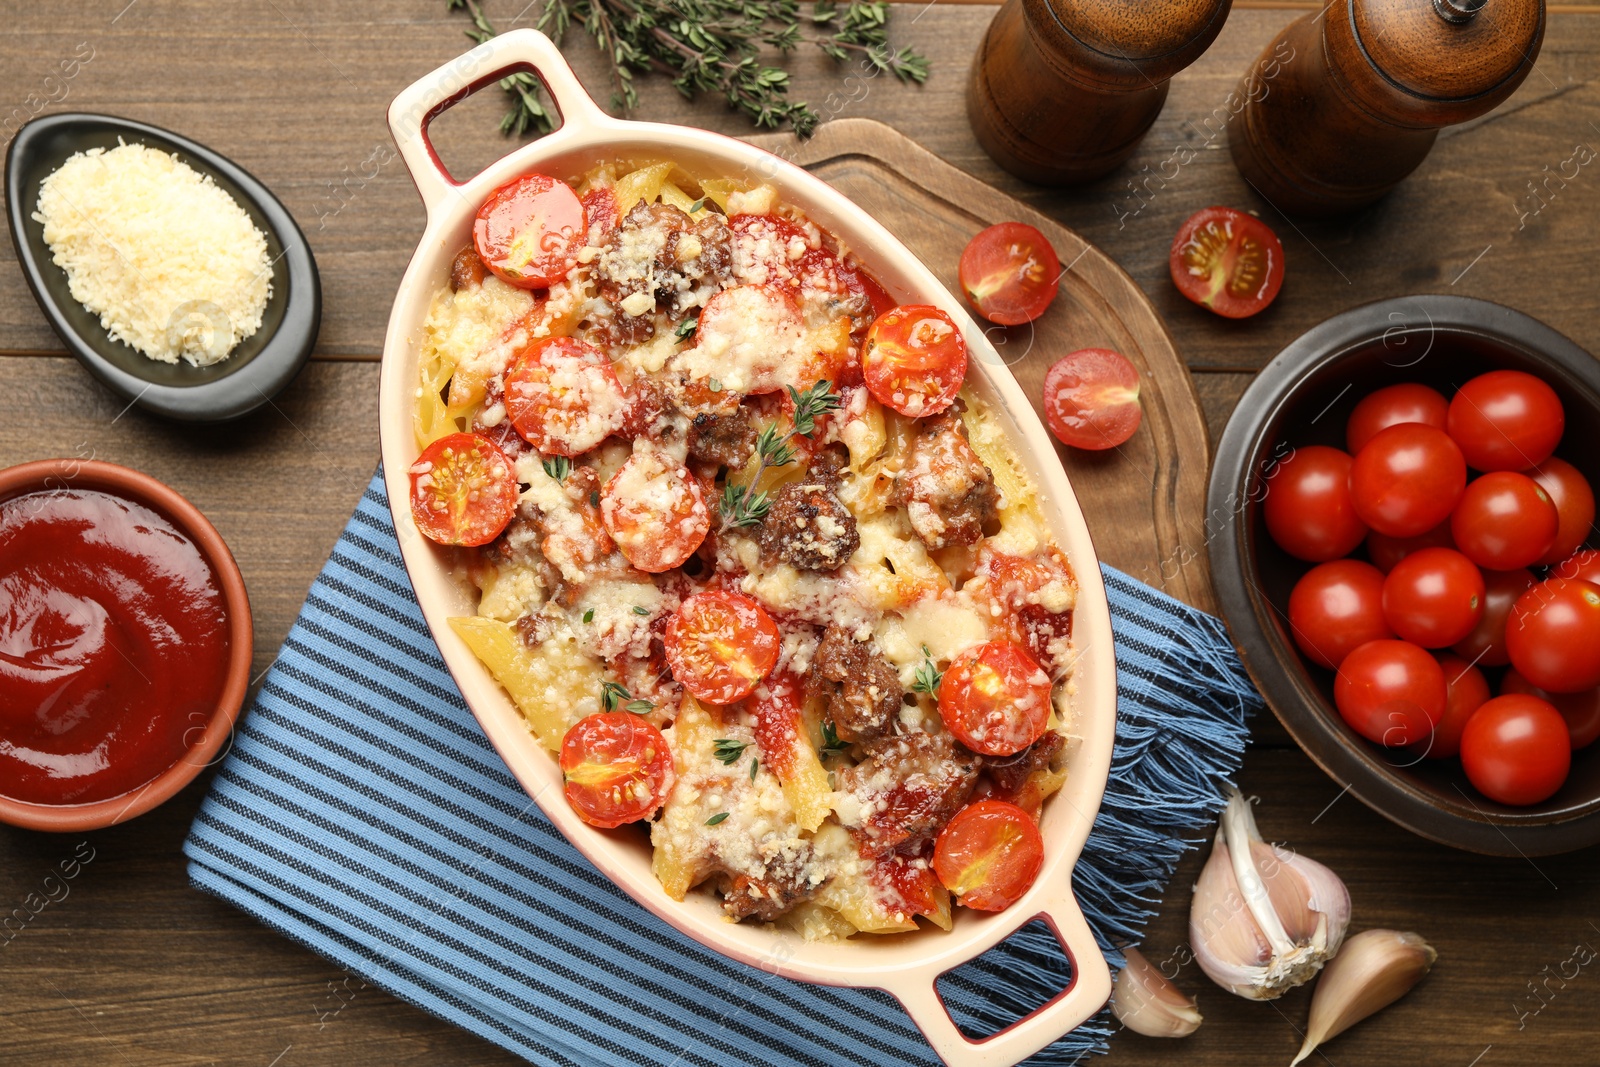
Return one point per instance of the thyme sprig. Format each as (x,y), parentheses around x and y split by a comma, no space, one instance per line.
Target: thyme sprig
(727,750)
(745,505)
(614,695)
(711,46)
(927,676)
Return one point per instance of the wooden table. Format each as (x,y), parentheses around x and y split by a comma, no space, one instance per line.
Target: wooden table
(134,967)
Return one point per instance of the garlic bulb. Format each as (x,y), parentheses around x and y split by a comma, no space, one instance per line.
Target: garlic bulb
(1146,1003)
(1264,919)
(1375,969)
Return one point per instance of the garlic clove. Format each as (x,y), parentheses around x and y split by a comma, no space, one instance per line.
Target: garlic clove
(1263,919)
(1375,969)
(1146,1003)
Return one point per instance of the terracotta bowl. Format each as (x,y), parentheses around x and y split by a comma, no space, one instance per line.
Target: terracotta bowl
(57,474)
(1304,397)
(905,965)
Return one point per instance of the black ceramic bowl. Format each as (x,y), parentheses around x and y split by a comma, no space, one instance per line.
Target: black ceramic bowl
(258,368)
(1304,397)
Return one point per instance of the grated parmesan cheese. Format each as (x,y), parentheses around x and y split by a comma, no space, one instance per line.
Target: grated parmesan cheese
(168,260)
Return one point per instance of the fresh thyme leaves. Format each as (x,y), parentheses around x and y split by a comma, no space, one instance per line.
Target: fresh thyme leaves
(719,817)
(811,404)
(745,505)
(755,765)
(557,467)
(588,616)
(638,610)
(927,676)
(710,46)
(686,330)
(830,738)
(696,206)
(728,750)
(594,498)
(613,695)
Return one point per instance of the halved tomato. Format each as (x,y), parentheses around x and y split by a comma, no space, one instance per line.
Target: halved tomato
(1091,399)
(989,855)
(618,769)
(654,510)
(463,490)
(720,645)
(1009,273)
(1227,261)
(915,359)
(995,698)
(563,397)
(529,231)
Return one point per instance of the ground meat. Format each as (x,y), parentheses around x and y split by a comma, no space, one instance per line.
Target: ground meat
(723,439)
(467,270)
(909,787)
(1011,773)
(861,690)
(948,494)
(784,884)
(660,251)
(807,525)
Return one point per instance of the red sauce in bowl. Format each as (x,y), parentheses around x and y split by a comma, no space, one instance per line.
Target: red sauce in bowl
(114,646)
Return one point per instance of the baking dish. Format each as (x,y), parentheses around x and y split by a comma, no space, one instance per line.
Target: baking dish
(905,965)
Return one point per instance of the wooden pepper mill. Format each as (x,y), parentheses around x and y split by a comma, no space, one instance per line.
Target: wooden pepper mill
(1364,88)
(1062,90)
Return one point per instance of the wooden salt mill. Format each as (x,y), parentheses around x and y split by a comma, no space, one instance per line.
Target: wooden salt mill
(1362,90)
(1063,90)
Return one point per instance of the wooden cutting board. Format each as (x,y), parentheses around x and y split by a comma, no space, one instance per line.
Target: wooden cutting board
(1145,501)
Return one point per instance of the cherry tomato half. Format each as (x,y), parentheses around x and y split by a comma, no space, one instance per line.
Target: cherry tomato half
(720,645)
(1407,480)
(1386,551)
(463,490)
(1583,564)
(563,397)
(1390,406)
(1433,598)
(1581,710)
(995,698)
(989,855)
(1573,497)
(1091,399)
(1009,273)
(1506,421)
(1308,508)
(1390,692)
(1335,608)
(1504,520)
(1515,750)
(1227,261)
(618,769)
(654,510)
(1553,635)
(529,231)
(1486,644)
(1466,690)
(915,359)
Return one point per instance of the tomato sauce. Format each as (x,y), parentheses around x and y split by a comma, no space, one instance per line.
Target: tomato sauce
(114,646)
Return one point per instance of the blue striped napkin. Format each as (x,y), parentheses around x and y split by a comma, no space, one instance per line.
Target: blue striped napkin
(363,813)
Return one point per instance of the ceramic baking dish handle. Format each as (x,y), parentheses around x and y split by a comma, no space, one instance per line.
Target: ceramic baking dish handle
(433,93)
(1087,993)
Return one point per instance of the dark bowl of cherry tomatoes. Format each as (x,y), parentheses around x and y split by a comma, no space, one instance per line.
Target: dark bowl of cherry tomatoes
(1401,531)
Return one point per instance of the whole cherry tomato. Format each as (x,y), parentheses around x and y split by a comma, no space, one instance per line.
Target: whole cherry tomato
(1504,520)
(1386,551)
(1574,500)
(1390,406)
(1335,608)
(529,231)
(1009,273)
(1553,635)
(617,767)
(1308,507)
(1506,421)
(1486,644)
(720,645)
(995,698)
(1407,480)
(463,490)
(1583,564)
(1091,399)
(1390,692)
(1515,750)
(1433,598)
(1581,710)
(989,855)
(915,360)
(1466,690)
(1228,261)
